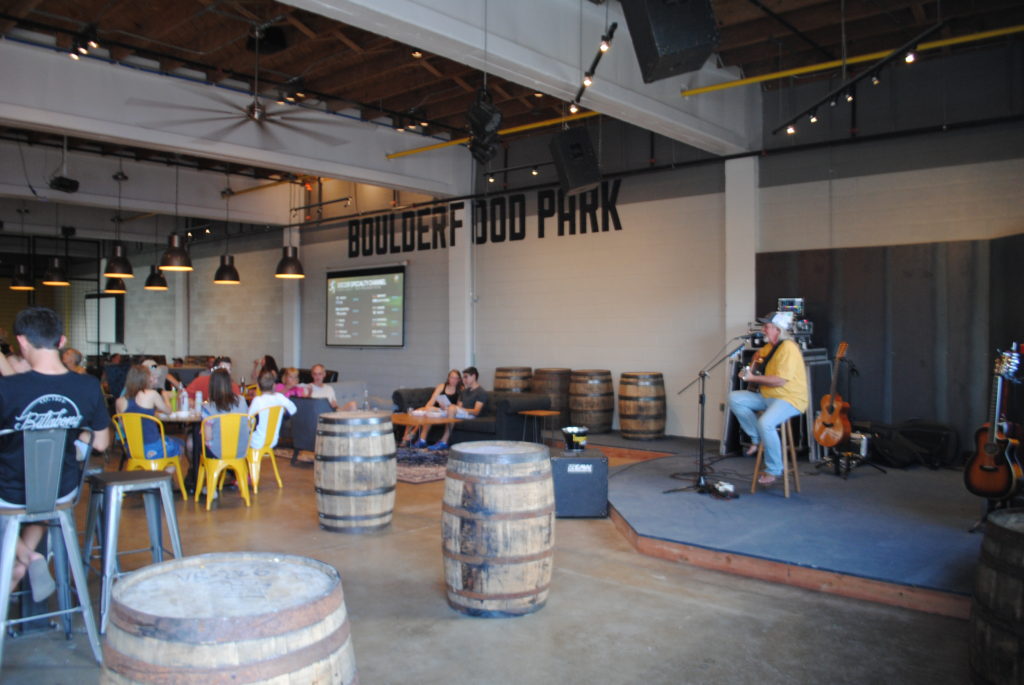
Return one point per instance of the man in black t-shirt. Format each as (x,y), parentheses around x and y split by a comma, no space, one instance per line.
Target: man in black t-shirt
(47,396)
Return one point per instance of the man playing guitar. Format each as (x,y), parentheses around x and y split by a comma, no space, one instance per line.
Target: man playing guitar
(783,392)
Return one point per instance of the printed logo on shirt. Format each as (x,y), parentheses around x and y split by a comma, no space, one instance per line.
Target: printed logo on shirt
(49,411)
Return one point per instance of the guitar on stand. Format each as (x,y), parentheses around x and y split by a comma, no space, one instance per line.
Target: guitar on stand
(993,471)
(832,425)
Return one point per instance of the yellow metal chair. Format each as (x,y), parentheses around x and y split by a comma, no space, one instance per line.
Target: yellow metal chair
(271,416)
(129,431)
(233,430)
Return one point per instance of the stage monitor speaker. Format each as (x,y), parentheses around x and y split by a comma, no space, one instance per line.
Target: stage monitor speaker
(575,160)
(670,36)
(581,483)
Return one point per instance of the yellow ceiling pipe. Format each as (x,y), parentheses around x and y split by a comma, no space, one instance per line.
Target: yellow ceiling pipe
(504,132)
(874,56)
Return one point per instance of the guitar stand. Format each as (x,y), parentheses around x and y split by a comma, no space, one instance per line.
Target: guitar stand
(843,461)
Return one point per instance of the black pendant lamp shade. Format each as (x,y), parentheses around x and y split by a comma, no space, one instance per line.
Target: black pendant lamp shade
(155,280)
(118,265)
(54,274)
(175,257)
(290,266)
(227,274)
(115,286)
(21,279)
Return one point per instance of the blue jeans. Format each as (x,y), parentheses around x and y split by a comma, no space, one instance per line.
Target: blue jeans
(761,429)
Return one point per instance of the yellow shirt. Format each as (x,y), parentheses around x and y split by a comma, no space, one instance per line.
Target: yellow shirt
(788,363)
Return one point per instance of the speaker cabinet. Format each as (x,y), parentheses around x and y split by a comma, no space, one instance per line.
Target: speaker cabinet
(581,483)
(670,36)
(575,160)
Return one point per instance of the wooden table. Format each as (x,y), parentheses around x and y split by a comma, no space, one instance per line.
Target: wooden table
(415,420)
(540,419)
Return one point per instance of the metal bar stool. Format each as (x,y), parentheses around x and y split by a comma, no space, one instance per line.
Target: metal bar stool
(44,459)
(535,423)
(788,459)
(107,492)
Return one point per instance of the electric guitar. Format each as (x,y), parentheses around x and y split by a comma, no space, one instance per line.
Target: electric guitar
(832,425)
(993,470)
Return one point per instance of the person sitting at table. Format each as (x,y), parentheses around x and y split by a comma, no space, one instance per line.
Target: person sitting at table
(270,397)
(223,400)
(317,389)
(471,402)
(72,360)
(265,363)
(141,398)
(289,385)
(201,383)
(445,395)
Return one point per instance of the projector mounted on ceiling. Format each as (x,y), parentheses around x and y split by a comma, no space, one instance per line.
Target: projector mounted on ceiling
(64,184)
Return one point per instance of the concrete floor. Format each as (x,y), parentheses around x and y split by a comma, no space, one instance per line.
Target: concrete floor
(613,616)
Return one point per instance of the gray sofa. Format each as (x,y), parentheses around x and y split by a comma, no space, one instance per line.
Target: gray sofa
(500,419)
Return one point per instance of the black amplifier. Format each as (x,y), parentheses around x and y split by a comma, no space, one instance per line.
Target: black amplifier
(581,483)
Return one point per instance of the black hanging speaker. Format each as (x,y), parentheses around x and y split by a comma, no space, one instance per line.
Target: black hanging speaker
(575,160)
(670,36)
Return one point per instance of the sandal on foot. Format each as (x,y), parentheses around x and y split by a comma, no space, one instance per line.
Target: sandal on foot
(39,576)
(766,479)
(751,450)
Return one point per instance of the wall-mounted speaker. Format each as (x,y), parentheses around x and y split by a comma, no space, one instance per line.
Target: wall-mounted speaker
(670,36)
(575,160)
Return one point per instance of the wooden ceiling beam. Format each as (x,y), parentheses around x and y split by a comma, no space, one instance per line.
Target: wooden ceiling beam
(19,9)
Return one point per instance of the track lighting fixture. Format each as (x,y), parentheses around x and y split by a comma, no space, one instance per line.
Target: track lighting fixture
(91,37)
(416,54)
(289,267)
(872,73)
(588,75)
(573,107)
(535,171)
(491,178)
(909,57)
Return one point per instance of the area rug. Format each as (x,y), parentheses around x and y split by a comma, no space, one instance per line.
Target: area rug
(421,466)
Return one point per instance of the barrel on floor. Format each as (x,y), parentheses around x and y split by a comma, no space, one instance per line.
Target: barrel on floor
(498,530)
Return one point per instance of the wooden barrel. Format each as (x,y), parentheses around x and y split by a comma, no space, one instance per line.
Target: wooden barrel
(591,399)
(512,378)
(641,405)
(555,384)
(355,471)
(239,617)
(498,527)
(996,641)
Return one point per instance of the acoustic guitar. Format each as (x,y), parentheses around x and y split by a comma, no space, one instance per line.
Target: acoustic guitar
(993,471)
(832,425)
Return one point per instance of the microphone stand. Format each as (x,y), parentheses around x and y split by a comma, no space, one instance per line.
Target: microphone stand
(701,485)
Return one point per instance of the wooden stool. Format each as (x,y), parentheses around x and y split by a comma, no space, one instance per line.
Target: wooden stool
(788,459)
(538,420)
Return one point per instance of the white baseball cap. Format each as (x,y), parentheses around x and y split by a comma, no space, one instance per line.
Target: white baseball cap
(782,320)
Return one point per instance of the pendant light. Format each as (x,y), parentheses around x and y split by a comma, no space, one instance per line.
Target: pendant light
(118,265)
(289,266)
(175,257)
(56,274)
(155,280)
(115,286)
(22,279)
(227,274)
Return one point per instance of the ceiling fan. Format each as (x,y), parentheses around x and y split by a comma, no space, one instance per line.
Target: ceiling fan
(254,115)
